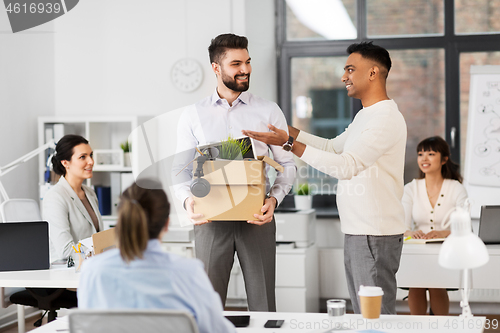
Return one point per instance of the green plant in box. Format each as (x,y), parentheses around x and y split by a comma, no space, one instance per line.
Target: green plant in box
(233,149)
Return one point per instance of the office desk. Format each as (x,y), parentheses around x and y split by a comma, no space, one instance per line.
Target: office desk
(319,322)
(419,267)
(56,277)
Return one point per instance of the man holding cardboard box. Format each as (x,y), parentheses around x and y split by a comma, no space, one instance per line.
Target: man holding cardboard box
(233,185)
(368,160)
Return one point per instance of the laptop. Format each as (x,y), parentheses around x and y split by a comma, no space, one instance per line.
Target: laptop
(24,246)
(489,224)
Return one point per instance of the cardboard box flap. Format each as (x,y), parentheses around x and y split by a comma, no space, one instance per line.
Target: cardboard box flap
(271,162)
(224,172)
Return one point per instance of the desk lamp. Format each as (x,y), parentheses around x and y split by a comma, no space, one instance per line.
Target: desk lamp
(464,251)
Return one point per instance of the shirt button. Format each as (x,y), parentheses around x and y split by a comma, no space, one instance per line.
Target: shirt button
(432,228)
(442,195)
(432,212)
(432,220)
(439,204)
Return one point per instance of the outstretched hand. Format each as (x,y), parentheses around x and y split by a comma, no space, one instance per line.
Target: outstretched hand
(276,136)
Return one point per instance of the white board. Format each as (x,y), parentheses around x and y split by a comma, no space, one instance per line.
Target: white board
(482,157)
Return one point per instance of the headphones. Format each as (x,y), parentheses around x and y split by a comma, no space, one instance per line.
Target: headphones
(200,187)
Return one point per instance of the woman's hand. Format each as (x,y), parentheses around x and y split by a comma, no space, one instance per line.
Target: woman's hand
(437,234)
(418,234)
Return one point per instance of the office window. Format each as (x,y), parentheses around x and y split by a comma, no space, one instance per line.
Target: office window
(430,75)
(416,84)
(477,16)
(467,60)
(405,17)
(320,19)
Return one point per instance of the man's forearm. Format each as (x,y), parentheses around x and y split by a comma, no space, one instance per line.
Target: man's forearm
(293,132)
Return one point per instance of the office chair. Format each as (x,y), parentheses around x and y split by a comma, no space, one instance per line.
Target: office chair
(49,299)
(131,321)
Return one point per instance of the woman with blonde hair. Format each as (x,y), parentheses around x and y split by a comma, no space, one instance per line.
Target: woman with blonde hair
(139,274)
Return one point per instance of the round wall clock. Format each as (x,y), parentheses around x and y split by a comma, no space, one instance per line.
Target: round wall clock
(187,75)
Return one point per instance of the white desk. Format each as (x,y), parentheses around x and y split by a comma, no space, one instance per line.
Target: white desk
(419,267)
(57,277)
(319,322)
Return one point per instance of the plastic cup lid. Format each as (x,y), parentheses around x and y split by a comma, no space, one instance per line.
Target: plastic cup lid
(370,291)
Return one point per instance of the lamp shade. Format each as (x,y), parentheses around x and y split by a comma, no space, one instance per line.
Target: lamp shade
(462,249)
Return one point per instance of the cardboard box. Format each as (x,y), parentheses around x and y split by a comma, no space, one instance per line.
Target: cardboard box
(104,240)
(237,189)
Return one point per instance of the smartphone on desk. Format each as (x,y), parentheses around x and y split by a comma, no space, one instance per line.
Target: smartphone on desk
(274,323)
(239,321)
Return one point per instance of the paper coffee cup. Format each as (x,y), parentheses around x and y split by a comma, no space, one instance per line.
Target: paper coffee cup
(370,299)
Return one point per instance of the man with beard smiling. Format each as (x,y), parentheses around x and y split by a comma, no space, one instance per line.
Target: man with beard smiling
(228,111)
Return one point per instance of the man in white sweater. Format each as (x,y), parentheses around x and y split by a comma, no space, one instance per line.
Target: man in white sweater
(368,160)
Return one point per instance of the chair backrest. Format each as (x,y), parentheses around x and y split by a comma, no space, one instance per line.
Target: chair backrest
(17,210)
(131,321)
(20,210)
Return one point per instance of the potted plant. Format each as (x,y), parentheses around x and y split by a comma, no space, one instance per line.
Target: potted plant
(303,198)
(233,149)
(126,153)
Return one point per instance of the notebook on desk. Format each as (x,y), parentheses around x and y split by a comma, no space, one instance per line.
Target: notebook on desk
(24,246)
(489,224)
(424,241)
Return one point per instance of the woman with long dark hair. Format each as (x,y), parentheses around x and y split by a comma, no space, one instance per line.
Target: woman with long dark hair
(427,200)
(139,274)
(70,207)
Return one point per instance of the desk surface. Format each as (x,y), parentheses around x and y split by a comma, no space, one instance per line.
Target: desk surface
(56,277)
(319,322)
(419,268)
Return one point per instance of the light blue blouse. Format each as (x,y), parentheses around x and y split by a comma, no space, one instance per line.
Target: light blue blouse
(159,280)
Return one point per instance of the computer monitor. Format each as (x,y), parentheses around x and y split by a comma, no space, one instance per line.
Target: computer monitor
(24,246)
(489,224)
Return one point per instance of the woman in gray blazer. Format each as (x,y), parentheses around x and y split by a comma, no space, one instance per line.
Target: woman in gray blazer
(70,207)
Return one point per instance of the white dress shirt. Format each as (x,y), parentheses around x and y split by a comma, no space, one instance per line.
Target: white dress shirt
(159,280)
(213,120)
(368,160)
(419,213)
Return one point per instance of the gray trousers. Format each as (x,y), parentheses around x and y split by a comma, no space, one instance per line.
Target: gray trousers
(215,245)
(373,261)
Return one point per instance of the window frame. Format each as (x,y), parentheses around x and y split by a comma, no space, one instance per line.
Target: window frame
(452,44)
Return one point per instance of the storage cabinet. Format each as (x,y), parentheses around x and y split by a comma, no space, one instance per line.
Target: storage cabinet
(105,135)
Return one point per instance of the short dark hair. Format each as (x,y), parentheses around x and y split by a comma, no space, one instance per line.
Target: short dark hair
(220,44)
(373,52)
(449,170)
(64,151)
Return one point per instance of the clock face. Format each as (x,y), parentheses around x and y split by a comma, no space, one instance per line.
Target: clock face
(187,75)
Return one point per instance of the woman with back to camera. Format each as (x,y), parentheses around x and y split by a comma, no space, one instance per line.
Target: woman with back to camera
(427,200)
(70,207)
(139,274)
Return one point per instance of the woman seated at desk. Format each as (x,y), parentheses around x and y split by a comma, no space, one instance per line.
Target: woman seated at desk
(139,274)
(427,200)
(70,207)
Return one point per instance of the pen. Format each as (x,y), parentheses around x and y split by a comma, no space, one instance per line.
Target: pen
(74,248)
(407,238)
(79,247)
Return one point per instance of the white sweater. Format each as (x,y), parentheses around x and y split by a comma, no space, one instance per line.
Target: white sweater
(418,208)
(368,159)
